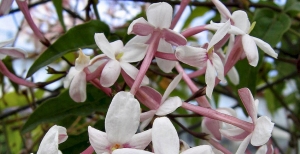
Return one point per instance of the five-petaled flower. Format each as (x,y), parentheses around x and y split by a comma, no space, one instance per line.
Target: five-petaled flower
(121,124)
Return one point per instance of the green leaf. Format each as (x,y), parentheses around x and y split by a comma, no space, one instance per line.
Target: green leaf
(78,143)
(81,36)
(197,12)
(270,25)
(56,109)
(292,5)
(59,9)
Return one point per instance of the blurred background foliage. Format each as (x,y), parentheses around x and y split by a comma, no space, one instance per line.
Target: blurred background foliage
(26,114)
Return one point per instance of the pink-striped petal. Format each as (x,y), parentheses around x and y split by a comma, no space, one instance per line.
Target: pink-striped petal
(212,126)
(193,56)
(140,27)
(173,37)
(248,102)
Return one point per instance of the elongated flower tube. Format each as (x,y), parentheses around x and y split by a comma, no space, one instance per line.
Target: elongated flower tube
(5,6)
(200,57)
(165,141)
(54,136)
(121,124)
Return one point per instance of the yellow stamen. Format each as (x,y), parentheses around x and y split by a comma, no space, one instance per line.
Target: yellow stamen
(116,146)
(252,27)
(119,55)
(210,50)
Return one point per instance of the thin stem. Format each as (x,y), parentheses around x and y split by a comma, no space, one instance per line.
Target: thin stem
(210,113)
(183,4)
(152,48)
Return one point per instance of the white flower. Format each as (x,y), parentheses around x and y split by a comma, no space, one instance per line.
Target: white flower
(119,57)
(54,136)
(76,78)
(200,57)
(165,141)
(121,124)
(159,17)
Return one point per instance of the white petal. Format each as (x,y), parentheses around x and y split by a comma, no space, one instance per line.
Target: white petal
(262,131)
(250,49)
(160,14)
(218,65)
(141,140)
(122,119)
(265,47)
(220,33)
(243,146)
(133,72)
(169,106)
(98,140)
(145,123)
(134,52)
(72,72)
(51,140)
(13,52)
(140,27)
(130,151)
(146,115)
(233,75)
(110,73)
(165,65)
(77,88)
(117,46)
(210,76)
(262,150)
(191,55)
(138,39)
(104,45)
(203,149)
(82,61)
(6,42)
(164,137)
(241,20)
(171,87)
(233,29)
(222,9)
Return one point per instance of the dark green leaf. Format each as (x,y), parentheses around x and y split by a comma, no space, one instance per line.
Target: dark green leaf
(292,5)
(59,11)
(56,109)
(197,12)
(270,25)
(81,36)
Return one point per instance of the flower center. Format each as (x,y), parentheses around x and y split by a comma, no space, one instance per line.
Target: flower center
(116,146)
(119,55)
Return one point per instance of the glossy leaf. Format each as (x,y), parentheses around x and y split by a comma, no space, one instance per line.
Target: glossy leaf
(59,11)
(56,109)
(81,36)
(270,25)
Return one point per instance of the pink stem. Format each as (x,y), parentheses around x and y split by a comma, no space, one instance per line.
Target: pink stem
(24,8)
(202,101)
(183,4)
(14,78)
(197,73)
(97,84)
(194,30)
(89,150)
(218,146)
(96,73)
(167,56)
(152,48)
(210,113)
